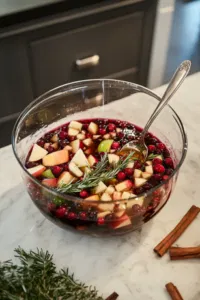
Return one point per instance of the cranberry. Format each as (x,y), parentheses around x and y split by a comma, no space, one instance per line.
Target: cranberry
(63,135)
(166,153)
(151,148)
(71,216)
(120,135)
(41,143)
(158,151)
(50,149)
(121,176)
(160,146)
(100,221)
(64,128)
(83,215)
(153,141)
(71,155)
(111,127)
(60,212)
(115,145)
(83,194)
(147,186)
(57,170)
(139,190)
(165,177)
(128,171)
(47,137)
(102,131)
(71,138)
(168,161)
(157,177)
(168,171)
(137,210)
(51,206)
(157,161)
(63,143)
(88,135)
(85,126)
(159,168)
(31,164)
(137,164)
(66,167)
(81,145)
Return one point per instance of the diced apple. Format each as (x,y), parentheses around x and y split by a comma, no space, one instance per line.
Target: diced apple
(75,125)
(51,182)
(92,160)
(113,150)
(113,134)
(139,182)
(56,158)
(106,206)
(118,130)
(146,175)
(96,137)
(92,198)
(83,131)
(149,162)
(124,186)
(113,159)
(65,178)
(73,132)
(106,136)
(149,169)
(121,222)
(80,159)
(139,201)
(159,156)
(100,188)
(36,171)
(110,190)
(103,214)
(88,142)
(69,148)
(81,136)
(120,210)
(117,196)
(46,145)
(93,128)
(126,195)
(88,151)
(54,138)
(55,146)
(130,164)
(37,153)
(75,170)
(75,145)
(87,170)
(137,173)
(106,197)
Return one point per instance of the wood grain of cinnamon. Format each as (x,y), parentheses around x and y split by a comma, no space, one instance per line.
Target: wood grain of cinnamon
(178,253)
(113,296)
(173,291)
(167,242)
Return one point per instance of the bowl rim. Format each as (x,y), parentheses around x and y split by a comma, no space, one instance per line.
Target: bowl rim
(130,85)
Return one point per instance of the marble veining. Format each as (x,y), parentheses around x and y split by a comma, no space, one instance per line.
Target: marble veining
(125,264)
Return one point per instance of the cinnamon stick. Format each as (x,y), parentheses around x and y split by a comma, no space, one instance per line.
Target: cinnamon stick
(178,253)
(173,291)
(113,296)
(166,243)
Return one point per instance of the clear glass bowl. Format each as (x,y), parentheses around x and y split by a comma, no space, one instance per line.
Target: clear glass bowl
(101,98)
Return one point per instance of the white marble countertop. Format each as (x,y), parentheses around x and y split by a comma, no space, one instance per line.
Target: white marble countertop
(125,264)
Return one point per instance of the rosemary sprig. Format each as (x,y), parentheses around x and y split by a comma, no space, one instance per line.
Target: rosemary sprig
(102,172)
(37,279)
(152,156)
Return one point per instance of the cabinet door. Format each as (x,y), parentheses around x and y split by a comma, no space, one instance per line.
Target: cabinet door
(116,43)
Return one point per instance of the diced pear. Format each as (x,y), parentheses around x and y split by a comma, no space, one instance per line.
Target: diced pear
(48,174)
(113,159)
(73,132)
(37,153)
(92,160)
(149,169)
(87,170)
(103,214)
(81,136)
(75,145)
(105,197)
(140,181)
(130,164)
(96,137)
(92,198)
(124,186)
(117,196)
(126,195)
(106,136)
(46,145)
(105,146)
(118,130)
(100,188)
(88,142)
(120,210)
(106,206)
(69,148)
(54,138)
(137,173)
(146,175)
(110,190)
(80,159)
(65,178)
(56,158)
(93,128)
(55,146)
(75,125)
(149,162)
(113,134)
(75,170)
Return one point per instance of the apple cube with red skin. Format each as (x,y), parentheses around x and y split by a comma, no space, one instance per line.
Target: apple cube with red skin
(103,214)
(75,125)
(75,145)
(121,222)
(93,128)
(36,171)
(51,182)
(110,190)
(120,210)
(37,153)
(56,158)
(92,160)
(88,151)
(117,196)
(88,142)
(65,178)
(124,186)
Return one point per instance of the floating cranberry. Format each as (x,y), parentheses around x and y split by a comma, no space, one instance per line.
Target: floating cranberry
(71,155)
(147,186)
(47,137)
(66,167)
(168,161)
(81,145)
(128,171)
(41,143)
(160,146)
(88,135)
(115,145)
(50,149)
(71,138)
(111,127)
(120,135)
(121,176)
(31,164)
(166,153)
(83,194)
(100,221)
(139,190)
(60,212)
(63,143)
(64,128)
(57,170)
(71,216)
(159,168)
(165,177)
(137,210)
(153,141)
(85,126)
(102,131)
(137,164)
(157,161)
(51,207)
(83,215)
(158,151)
(157,177)
(151,148)
(168,171)
(63,135)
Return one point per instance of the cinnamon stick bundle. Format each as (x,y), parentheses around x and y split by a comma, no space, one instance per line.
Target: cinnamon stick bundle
(113,296)
(178,253)
(166,243)
(173,291)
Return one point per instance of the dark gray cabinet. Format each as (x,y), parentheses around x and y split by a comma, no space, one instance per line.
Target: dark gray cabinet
(38,55)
